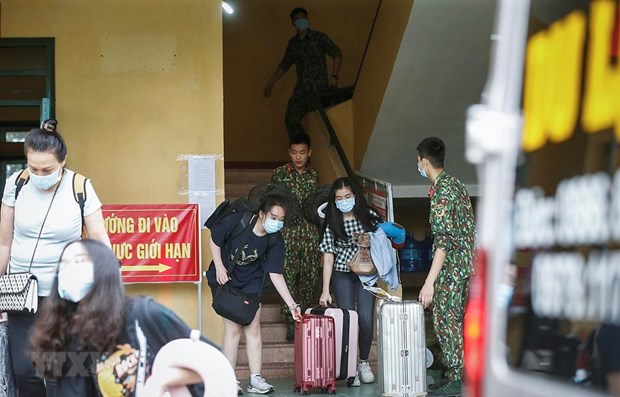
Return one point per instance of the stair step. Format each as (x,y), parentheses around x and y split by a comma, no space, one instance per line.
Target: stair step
(238,189)
(273,352)
(248,175)
(271,313)
(279,370)
(268,371)
(271,332)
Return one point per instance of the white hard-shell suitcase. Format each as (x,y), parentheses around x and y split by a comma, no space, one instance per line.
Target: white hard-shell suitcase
(401,345)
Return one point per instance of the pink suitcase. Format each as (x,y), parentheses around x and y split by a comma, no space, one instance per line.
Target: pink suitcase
(315,354)
(347,333)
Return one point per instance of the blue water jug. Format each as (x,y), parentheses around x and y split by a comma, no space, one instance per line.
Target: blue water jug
(426,250)
(410,255)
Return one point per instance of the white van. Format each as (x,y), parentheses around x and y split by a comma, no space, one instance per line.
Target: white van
(545,141)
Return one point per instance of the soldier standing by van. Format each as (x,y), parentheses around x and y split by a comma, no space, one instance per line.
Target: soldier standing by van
(453,227)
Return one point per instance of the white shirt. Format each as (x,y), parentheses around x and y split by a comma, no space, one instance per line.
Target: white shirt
(63,225)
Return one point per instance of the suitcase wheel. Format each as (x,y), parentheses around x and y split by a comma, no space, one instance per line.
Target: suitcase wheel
(304,392)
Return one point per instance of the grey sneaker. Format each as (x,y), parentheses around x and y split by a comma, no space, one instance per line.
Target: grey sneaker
(356,382)
(259,385)
(365,372)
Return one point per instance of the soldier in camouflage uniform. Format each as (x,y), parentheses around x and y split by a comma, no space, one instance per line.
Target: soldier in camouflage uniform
(301,238)
(307,51)
(452,223)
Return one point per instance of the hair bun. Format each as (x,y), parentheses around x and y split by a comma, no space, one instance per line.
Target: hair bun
(49,125)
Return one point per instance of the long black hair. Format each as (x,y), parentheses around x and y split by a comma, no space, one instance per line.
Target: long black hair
(96,321)
(364,214)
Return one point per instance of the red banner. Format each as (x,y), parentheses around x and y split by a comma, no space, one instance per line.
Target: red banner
(378,200)
(156,243)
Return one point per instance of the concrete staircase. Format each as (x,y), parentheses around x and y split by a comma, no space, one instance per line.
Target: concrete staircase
(278,355)
(239,182)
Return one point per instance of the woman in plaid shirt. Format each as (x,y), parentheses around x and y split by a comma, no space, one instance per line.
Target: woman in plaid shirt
(347,212)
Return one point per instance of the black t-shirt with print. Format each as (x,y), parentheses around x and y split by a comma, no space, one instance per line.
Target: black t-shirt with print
(247,275)
(148,325)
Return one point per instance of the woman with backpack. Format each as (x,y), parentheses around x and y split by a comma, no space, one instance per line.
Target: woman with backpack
(40,214)
(347,213)
(93,339)
(242,261)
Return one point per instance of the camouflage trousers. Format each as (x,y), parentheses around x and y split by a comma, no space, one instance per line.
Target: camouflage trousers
(298,106)
(301,272)
(448,312)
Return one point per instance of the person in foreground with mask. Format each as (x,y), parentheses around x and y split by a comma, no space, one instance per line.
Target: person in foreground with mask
(307,51)
(445,287)
(36,223)
(347,212)
(253,259)
(91,338)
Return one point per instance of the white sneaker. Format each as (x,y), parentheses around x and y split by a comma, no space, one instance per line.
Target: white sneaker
(356,381)
(365,372)
(239,389)
(259,385)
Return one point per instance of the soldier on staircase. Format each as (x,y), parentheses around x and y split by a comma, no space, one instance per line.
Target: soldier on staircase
(301,263)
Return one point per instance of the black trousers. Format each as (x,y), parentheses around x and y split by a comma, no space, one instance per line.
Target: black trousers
(28,384)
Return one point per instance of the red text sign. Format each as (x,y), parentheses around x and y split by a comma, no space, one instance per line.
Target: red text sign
(156,243)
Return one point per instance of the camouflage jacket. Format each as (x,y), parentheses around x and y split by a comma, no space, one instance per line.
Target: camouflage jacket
(452,223)
(301,185)
(308,56)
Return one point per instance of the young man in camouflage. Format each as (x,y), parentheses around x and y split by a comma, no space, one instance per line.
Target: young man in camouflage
(452,224)
(301,238)
(307,51)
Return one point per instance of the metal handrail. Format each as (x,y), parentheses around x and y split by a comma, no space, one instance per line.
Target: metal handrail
(333,137)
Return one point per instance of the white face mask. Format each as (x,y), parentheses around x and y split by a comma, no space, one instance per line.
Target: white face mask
(45,182)
(75,280)
(272,225)
(346,205)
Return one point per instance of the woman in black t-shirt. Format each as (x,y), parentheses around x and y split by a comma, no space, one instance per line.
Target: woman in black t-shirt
(256,257)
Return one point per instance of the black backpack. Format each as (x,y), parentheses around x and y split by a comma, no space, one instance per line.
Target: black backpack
(240,205)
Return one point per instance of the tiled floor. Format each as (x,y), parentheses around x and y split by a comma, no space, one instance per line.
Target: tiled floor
(284,388)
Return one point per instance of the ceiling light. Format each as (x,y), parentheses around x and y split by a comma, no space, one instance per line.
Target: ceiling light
(227,7)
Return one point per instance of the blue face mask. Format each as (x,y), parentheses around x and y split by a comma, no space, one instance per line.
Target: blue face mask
(346,205)
(75,281)
(422,172)
(45,182)
(301,24)
(272,225)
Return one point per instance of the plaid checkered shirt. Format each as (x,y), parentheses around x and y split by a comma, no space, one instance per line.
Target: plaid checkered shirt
(343,250)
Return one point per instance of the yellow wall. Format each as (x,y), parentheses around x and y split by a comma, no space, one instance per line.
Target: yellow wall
(137,84)
(376,71)
(255,38)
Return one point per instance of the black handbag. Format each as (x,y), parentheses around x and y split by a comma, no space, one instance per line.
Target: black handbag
(232,303)
(235,305)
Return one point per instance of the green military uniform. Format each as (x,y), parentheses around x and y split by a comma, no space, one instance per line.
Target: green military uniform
(308,56)
(301,239)
(452,223)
